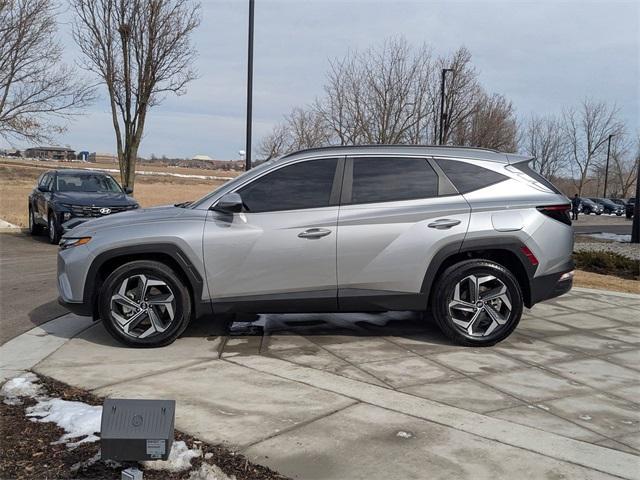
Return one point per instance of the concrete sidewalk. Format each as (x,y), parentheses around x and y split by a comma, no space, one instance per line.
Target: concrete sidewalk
(384,396)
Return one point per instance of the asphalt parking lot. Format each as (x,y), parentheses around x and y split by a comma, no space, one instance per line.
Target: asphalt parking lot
(28,284)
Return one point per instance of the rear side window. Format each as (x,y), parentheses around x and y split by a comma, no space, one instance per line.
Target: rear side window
(468,177)
(302,185)
(392,179)
(526,169)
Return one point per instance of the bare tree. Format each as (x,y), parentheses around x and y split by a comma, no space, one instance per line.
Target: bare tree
(462,92)
(390,94)
(586,130)
(543,139)
(141,50)
(624,162)
(491,123)
(38,93)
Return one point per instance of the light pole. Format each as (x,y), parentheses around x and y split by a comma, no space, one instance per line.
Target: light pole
(247,158)
(606,168)
(443,115)
(635,227)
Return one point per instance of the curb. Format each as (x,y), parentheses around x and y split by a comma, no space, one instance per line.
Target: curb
(30,348)
(607,292)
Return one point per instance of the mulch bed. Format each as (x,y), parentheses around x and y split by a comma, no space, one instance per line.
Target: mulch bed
(26,451)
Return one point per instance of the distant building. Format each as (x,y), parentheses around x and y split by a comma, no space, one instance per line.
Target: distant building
(202,158)
(50,153)
(103,158)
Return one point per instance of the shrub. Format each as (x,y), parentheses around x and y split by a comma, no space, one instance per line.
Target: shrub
(607,263)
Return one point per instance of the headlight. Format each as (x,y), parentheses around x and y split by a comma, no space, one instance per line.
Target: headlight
(73,242)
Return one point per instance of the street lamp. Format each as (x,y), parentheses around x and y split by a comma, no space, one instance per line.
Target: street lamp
(606,168)
(443,115)
(247,159)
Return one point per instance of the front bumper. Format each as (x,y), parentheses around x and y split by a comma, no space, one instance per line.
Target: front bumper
(81,308)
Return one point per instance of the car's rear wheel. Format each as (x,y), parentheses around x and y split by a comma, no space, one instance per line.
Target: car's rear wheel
(477,303)
(34,228)
(145,304)
(53,228)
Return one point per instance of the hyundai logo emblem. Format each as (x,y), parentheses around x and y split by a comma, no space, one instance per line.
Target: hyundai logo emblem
(105,211)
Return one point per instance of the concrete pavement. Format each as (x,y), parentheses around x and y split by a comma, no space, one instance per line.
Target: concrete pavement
(384,396)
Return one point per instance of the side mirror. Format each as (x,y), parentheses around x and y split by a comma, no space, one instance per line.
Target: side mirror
(43,189)
(229,203)
(128,190)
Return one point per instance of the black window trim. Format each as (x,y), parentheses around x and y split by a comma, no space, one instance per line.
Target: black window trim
(336,187)
(347,186)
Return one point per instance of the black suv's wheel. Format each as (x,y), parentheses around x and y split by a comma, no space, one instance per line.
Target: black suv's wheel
(34,228)
(53,228)
(477,303)
(145,304)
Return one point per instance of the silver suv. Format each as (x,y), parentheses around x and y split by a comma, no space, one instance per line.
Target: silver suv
(470,236)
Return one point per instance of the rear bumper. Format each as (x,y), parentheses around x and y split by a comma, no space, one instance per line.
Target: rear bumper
(553,285)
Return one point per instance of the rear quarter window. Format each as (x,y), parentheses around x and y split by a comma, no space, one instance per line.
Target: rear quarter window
(468,177)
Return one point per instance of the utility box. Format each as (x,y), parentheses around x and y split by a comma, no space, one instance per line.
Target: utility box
(136,430)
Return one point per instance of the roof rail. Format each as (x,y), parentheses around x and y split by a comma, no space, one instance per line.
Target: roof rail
(383,145)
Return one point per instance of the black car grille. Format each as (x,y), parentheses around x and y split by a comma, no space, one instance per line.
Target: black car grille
(91,211)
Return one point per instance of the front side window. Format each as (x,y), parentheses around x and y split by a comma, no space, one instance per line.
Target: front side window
(301,185)
(392,179)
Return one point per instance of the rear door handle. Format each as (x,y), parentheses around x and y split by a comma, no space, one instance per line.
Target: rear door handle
(443,223)
(314,233)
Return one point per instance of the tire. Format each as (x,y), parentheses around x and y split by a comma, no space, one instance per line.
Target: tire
(34,228)
(167,294)
(474,327)
(628,215)
(53,229)
(618,214)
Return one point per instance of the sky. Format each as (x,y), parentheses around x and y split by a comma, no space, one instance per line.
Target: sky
(542,55)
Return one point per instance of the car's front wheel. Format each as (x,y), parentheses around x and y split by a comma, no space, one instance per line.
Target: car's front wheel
(53,228)
(144,303)
(34,228)
(477,303)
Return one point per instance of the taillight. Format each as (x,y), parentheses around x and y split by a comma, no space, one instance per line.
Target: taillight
(557,212)
(529,254)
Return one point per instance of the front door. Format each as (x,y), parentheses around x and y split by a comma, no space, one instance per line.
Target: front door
(396,214)
(282,246)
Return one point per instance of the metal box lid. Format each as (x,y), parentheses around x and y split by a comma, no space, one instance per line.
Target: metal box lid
(137,419)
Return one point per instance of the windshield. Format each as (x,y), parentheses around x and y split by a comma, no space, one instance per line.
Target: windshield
(93,182)
(232,183)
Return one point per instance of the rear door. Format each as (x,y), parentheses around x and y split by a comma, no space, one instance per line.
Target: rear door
(280,252)
(395,214)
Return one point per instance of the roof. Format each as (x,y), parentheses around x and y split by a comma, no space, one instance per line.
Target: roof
(59,149)
(78,171)
(429,150)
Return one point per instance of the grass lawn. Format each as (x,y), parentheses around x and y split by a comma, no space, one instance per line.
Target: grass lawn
(17,182)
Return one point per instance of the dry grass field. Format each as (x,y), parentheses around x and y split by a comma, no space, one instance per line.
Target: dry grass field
(17,179)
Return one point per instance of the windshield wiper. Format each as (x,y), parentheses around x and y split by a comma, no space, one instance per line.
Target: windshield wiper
(183,204)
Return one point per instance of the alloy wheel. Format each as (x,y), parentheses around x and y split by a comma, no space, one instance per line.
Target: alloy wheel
(143,306)
(52,229)
(480,305)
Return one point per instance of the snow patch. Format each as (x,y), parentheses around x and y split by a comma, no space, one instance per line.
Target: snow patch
(179,458)
(611,236)
(78,419)
(209,472)
(24,385)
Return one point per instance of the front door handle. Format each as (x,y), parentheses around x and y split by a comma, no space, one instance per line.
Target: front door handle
(314,233)
(443,223)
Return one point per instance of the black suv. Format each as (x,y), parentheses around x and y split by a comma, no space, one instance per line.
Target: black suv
(63,195)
